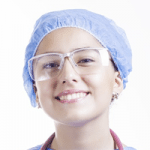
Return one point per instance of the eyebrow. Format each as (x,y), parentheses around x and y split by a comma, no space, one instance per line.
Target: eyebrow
(70,51)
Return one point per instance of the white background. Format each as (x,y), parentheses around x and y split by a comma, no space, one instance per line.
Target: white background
(22,126)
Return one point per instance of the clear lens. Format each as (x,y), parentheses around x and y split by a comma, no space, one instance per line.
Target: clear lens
(45,67)
(86,61)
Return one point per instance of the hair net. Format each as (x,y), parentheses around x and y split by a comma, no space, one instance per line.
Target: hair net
(103,29)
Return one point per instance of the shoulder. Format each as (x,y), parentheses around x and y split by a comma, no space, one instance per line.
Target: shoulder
(38,147)
(127,147)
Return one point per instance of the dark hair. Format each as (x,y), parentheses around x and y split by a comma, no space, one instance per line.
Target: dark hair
(115,67)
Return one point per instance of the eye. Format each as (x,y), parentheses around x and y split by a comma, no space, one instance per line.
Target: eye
(50,65)
(87,60)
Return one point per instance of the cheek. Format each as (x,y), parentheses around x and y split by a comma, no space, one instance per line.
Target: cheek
(97,80)
(101,85)
(45,95)
(45,89)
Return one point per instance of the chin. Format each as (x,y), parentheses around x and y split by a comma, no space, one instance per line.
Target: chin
(77,121)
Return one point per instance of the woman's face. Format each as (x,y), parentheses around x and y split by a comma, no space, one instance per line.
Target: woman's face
(100,86)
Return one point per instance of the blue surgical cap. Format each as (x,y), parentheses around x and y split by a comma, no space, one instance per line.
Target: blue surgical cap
(103,29)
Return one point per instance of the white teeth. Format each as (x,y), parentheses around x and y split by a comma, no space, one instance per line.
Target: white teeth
(69,96)
(78,95)
(73,96)
(81,94)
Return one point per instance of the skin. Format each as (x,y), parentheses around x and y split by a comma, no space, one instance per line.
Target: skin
(78,126)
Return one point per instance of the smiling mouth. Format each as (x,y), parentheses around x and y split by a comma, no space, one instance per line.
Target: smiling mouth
(72,97)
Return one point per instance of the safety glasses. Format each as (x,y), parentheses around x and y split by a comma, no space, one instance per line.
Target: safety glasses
(84,61)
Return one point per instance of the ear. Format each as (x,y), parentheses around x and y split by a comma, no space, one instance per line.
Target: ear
(36,93)
(118,83)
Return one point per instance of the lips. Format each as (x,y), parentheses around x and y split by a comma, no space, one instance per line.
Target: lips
(67,92)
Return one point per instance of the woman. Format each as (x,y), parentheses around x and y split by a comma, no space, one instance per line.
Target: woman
(76,64)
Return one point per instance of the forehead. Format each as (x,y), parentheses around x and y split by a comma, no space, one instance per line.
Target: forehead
(67,39)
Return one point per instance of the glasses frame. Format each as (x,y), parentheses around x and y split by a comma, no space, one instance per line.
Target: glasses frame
(63,56)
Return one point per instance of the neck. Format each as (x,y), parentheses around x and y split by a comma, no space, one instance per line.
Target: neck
(92,134)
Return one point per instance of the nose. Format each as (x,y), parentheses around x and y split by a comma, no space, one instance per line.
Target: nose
(68,74)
